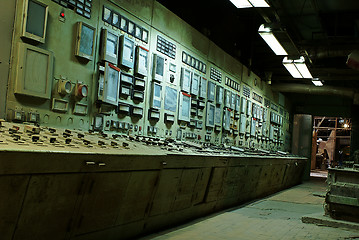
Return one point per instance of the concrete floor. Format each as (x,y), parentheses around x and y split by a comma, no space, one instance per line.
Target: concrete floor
(275,217)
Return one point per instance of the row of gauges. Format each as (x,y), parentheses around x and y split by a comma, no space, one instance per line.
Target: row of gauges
(246,92)
(81,7)
(114,85)
(194,62)
(216,75)
(233,84)
(274,107)
(257,97)
(166,47)
(115,19)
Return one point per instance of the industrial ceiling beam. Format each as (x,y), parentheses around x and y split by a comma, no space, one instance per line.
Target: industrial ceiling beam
(311,89)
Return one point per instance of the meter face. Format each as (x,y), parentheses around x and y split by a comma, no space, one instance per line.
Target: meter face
(170,99)
(124,24)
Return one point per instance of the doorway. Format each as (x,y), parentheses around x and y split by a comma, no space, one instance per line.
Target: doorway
(330,143)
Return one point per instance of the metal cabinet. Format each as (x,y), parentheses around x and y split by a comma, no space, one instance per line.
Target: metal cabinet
(12,191)
(102,197)
(50,201)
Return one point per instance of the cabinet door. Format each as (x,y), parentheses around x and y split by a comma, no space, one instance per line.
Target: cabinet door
(48,206)
(102,201)
(138,196)
(12,191)
(166,191)
(185,188)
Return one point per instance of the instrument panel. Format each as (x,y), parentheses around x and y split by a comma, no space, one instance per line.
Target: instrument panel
(115,73)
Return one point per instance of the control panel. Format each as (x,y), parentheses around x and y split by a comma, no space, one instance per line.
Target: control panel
(115,73)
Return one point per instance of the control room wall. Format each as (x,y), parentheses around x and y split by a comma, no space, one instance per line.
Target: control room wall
(7,12)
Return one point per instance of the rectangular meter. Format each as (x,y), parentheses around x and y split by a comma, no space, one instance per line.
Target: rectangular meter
(138,32)
(249,108)
(271,132)
(131,28)
(107,15)
(233,101)
(186,76)
(242,124)
(211,90)
(85,38)
(238,102)
(109,48)
(136,111)
(126,79)
(109,83)
(141,61)
(124,24)
(254,110)
(203,88)
(243,105)
(227,99)
(127,55)
(35,20)
(219,95)
(184,107)
(138,96)
(195,84)
(218,116)
(211,111)
(226,119)
(253,127)
(156,96)
(260,115)
(265,113)
(115,20)
(139,84)
(158,67)
(170,99)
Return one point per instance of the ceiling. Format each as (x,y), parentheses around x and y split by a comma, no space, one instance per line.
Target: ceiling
(325,31)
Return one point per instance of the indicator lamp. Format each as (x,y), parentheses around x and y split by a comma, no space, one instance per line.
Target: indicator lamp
(62,14)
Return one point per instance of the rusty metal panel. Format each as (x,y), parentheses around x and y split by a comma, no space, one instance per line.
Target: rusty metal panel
(166,191)
(102,200)
(215,183)
(138,196)
(185,188)
(199,190)
(49,206)
(12,191)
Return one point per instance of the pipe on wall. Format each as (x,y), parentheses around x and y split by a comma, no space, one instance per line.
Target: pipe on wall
(311,89)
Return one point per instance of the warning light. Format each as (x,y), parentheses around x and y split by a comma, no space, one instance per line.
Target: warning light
(62,14)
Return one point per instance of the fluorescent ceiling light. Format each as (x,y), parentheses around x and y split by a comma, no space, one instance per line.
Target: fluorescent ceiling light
(249,3)
(297,68)
(241,3)
(302,68)
(268,36)
(259,3)
(288,64)
(317,82)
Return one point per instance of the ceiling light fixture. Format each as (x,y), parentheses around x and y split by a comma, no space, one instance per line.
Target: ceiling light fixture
(317,82)
(249,3)
(268,36)
(297,67)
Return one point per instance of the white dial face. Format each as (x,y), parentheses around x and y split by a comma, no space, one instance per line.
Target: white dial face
(84,90)
(68,87)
